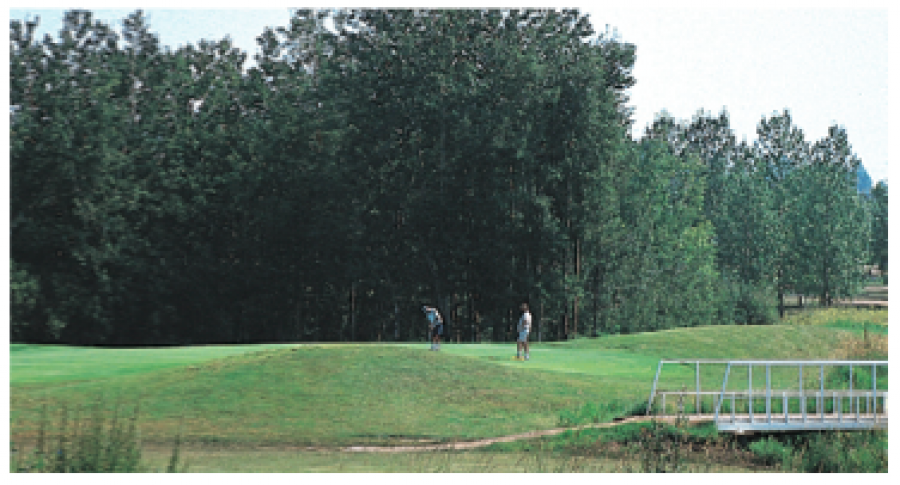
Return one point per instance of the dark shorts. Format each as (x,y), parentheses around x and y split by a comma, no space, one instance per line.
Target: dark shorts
(437,331)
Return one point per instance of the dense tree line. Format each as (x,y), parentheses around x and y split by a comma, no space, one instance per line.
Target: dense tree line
(373,161)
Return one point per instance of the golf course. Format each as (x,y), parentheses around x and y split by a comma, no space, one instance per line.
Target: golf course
(298,407)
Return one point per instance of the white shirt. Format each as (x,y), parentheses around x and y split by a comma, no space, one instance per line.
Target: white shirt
(524,324)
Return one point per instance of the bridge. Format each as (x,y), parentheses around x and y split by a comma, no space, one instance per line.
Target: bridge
(741,404)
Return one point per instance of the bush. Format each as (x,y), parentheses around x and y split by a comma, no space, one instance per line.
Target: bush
(755,305)
(660,449)
(746,303)
(825,452)
(771,452)
(24,291)
(837,452)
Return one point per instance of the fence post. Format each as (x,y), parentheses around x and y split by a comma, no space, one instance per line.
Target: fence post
(802,396)
(722,397)
(784,404)
(851,388)
(732,407)
(874,397)
(822,391)
(698,388)
(750,394)
(838,405)
(653,389)
(768,394)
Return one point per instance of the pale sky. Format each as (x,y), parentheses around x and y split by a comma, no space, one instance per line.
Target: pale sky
(826,65)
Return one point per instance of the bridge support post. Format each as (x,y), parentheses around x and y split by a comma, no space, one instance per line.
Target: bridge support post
(750,393)
(874,397)
(784,406)
(698,388)
(822,391)
(653,389)
(768,394)
(802,397)
(850,396)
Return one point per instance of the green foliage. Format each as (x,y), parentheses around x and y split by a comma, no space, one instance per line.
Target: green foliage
(602,412)
(824,452)
(755,304)
(660,449)
(829,253)
(374,160)
(843,452)
(772,452)
(24,291)
(92,444)
(878,246)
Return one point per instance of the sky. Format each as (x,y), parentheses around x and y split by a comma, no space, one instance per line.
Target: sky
(826,62)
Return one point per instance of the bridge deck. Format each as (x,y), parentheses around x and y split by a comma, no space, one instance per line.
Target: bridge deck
(742,423)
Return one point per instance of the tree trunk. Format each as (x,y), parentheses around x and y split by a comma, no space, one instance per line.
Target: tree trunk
(780,295)
(352,311)
(577,274)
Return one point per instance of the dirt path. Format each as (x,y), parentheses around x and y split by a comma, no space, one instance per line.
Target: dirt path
(468,445)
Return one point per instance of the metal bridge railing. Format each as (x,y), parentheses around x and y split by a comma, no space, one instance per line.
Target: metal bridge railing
(803,420)
(867,407)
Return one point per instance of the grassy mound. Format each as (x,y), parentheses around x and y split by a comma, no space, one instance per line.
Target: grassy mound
(327,395)
(334,395)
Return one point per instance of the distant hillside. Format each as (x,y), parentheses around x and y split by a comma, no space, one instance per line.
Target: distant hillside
(863,181)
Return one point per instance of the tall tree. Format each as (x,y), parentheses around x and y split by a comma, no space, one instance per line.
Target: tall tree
(831,224)
(779,151)
(879,240)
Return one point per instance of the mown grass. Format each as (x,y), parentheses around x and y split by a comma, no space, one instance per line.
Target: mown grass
(47,364)
(334,395)
(301,461)
(321,395)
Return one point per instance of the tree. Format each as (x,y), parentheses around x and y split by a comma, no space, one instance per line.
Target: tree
(879,240)
(779,151)
(831,223)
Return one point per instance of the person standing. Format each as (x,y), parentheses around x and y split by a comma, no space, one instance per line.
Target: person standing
(523,328)
(435,326)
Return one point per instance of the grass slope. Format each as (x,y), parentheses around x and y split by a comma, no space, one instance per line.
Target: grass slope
(43,364)
(332,395)
(327,395)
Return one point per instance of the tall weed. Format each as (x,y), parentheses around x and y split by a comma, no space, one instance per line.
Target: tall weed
(87,444)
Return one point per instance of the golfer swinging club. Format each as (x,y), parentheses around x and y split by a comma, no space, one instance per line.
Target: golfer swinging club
(524,328)
(435,326)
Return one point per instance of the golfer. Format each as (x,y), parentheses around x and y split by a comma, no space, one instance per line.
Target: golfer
(435,326)
(523,328)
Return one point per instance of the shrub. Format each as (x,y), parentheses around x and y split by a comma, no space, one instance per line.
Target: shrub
(772,452)
(837,452)
(747,303)
(88,445)
(659,449)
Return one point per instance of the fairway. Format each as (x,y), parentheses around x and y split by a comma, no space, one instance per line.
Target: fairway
(328,396)
(34,364)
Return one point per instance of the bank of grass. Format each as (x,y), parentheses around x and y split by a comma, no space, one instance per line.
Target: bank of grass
(334,395)
(497,461)
(844,318)
(41,365)
(327,396)
(720,342)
